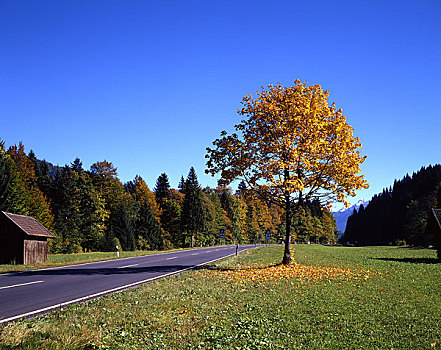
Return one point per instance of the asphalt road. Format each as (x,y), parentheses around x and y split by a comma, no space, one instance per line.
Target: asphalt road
(27,294)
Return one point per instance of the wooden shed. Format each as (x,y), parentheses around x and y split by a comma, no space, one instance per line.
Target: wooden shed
(23,240)
(433,228)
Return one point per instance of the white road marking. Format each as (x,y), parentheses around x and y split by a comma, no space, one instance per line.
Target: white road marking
(173,257)
(217,250)
(21,284)
(195,254)
(123,267)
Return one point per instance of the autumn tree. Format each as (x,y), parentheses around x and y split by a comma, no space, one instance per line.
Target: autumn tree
(79,210)
(141,192)
(92,212)
(235,209)
(291,146)
(171,218)
(148,229)
(35,202)
(215,217)
(105,180)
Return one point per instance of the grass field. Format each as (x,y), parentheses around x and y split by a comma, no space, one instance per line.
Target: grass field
(332,298)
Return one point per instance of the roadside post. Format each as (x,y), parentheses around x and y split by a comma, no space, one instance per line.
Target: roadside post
(222,235)
(260,239)
(237,247)
(268,235)
(117,251)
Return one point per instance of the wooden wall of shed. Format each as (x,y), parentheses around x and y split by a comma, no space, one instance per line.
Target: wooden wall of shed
(11,242)
(34,251)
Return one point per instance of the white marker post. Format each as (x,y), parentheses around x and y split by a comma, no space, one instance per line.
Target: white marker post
(117,252)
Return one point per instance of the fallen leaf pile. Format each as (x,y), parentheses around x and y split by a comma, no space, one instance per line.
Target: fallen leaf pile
(298,272)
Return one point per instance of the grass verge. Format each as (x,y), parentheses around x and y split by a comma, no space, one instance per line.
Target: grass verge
(332,298)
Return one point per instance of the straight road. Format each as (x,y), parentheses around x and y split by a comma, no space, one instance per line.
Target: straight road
(27,294)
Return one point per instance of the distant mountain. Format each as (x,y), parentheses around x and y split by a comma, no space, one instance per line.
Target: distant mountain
(341,216)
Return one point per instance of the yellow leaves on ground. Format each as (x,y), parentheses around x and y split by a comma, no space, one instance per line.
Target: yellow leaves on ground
(298,272)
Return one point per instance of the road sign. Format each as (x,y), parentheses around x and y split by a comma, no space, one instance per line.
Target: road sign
(260,236)
(222,233)
(268,234)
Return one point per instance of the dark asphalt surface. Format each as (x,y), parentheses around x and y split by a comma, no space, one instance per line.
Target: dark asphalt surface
(27,294)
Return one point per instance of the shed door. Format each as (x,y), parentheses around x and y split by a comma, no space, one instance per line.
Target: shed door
(34,252)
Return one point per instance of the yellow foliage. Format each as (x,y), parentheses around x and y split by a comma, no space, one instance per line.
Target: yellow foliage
(143,194)
(292,145)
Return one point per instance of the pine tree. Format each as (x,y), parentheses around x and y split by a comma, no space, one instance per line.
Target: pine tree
(77,165)
(5,177)
(241,189)
(192,211)
(399,214)
(66,204)
(162,187)
(252,221)
(181,185)
(123,222)
(147,225)
(148,228)
(42,178)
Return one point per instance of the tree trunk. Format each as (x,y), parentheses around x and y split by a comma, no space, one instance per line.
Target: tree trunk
(287,253)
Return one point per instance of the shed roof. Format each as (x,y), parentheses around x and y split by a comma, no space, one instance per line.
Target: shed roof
(437,214)
(29,225)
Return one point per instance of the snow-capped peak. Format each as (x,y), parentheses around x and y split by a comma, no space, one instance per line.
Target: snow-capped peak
(342,215)
(356,206)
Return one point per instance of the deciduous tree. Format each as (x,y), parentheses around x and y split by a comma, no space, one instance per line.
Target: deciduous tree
(291,146)
(36,204)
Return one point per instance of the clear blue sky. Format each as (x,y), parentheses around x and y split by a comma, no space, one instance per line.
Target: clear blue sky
(148,85)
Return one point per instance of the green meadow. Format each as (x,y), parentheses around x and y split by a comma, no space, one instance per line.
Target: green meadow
(341,298)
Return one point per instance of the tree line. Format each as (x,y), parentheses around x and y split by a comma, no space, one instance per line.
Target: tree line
(92,210)
(399,214)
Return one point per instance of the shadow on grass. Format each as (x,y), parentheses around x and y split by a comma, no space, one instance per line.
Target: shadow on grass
(415,247)
(412,260)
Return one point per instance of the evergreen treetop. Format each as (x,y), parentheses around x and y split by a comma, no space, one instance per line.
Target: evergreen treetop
(162,187)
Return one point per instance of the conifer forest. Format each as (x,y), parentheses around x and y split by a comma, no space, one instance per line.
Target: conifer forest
(399,215)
